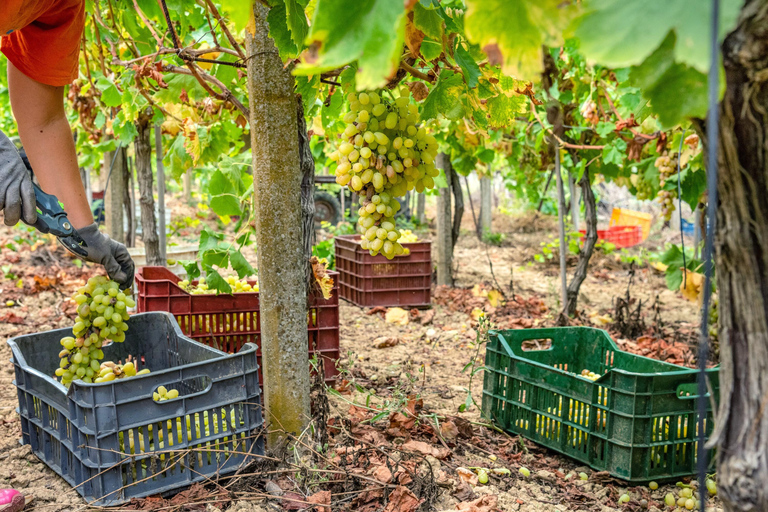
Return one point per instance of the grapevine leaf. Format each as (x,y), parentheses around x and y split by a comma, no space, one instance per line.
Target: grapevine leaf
(191,268)
(226,205)
(209,240)
(239,12)
(177,85)
(430,49)
(240,265)
(218,257)
(345,31)
(515,31)
(604,129)
(297,20)
(110,96)
(468,64)
(486,155)
(502,110)
(440,180)
(693,183)
(215,281)
(676,91)
(220,184)
(637,28)
(280,32)
(446,97)
(308,88)
(428,21)
(330,114)
(613,152)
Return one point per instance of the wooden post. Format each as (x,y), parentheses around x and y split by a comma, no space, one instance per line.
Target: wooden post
(278,215)
(129,203)
(160,192)
(561,221)
(187,186)
(113,199)
(486,207)
(143,148)
(444,249)
(574,190)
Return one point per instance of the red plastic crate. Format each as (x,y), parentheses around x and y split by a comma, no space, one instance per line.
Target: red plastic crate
(620,236)
(227,322)
(366,280)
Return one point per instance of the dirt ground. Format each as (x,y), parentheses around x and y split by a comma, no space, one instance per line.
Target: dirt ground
(422,362)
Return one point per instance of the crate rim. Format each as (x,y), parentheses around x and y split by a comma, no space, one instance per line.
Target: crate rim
(678,370)
(19,358)
(140,276)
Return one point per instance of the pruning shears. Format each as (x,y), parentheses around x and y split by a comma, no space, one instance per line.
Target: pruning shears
(51,218)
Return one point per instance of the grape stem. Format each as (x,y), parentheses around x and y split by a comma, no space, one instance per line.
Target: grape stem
(416,73)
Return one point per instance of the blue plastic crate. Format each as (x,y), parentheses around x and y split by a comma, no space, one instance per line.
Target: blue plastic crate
(112,441)
(688,227)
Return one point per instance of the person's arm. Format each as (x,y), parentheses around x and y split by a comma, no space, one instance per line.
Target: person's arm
(47,139)
(50,148)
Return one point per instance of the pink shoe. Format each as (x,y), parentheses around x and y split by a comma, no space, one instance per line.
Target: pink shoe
(12,500)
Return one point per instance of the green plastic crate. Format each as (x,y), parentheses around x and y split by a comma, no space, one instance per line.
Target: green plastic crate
(637,421)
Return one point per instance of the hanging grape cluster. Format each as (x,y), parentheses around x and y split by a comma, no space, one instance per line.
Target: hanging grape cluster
(643,189)
(667,168)
(384,153)
(101,316)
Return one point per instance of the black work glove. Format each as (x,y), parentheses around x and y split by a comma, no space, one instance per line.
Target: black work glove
(105,251)
(17,195)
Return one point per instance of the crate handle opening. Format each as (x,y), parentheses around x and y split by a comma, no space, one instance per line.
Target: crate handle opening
(187,388)
(689,391)
(536,344)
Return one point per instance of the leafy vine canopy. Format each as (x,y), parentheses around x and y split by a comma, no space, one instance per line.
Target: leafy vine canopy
(614,83)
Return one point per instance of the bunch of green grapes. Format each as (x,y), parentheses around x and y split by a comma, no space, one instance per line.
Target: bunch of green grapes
(384,153)
(714,316)
(643,189)
(101,316)
(667,168)
(201,288)
(110,371)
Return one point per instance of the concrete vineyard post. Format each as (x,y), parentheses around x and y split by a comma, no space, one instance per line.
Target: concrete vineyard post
(444,250)
(278,216)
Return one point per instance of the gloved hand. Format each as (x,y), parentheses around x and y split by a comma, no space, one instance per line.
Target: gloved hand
(17,195)
(113,255)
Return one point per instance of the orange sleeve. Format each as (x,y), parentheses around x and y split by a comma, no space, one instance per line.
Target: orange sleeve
(47,50)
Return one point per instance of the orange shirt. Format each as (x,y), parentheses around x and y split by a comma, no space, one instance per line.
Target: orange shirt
(42,37)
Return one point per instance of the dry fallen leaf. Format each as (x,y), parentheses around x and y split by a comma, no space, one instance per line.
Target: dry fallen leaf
(426,449)
(484,504)
(598,319)
(477,313)
(385,342)
(382,474)
(659,266)
(494,297)
(467,476)
(397,316)
(402,500)
(321,498)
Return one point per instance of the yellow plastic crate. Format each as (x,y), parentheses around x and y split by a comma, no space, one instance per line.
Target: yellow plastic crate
(622,217)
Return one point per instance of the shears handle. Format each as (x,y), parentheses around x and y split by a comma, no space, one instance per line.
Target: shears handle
(51,217)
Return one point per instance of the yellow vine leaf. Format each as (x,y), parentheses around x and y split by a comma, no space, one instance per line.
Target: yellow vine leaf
(323,280)
(692,285)
(397,316)
(494,298)
(191,140)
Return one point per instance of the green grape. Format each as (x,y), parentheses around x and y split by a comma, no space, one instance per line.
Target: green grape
(81,354)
